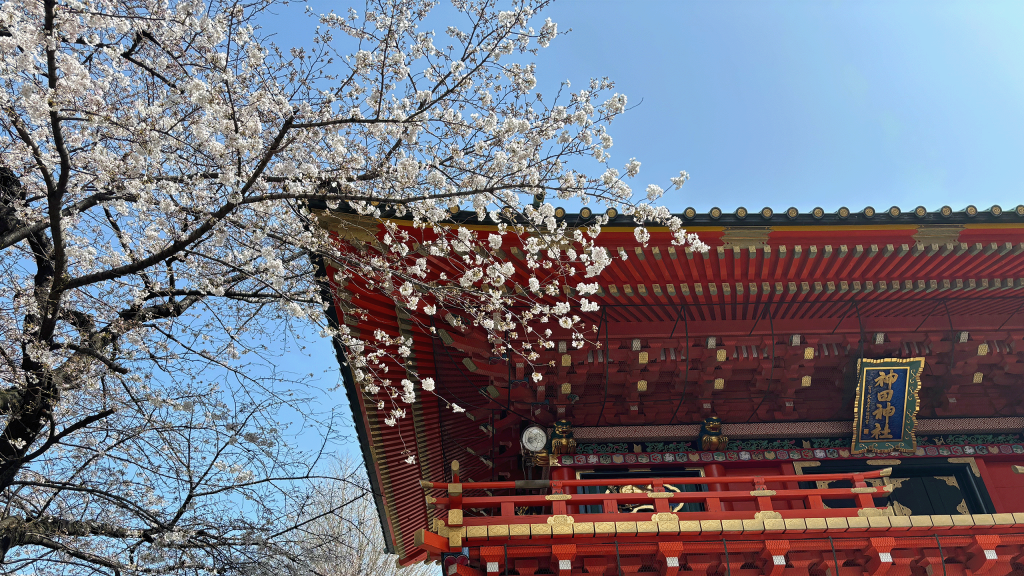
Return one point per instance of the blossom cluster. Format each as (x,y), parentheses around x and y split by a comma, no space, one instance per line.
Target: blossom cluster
(180,197)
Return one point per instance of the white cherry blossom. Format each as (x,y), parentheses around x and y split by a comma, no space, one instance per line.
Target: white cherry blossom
(181,198)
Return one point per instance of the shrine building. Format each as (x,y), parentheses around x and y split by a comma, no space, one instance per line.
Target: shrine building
(819,394)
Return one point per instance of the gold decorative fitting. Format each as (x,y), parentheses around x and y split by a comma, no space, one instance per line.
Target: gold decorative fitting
(809,353)
(644,357)
(869,211)
(1017,469)
(719,383)
(894,211)
(560,519)
(559,212)
(969,461)
(1019,209)
(690,213)
(874,512)
(886,472)
(817,213)
(741,212)
(431,501)
(586,213)
(762,492)
(625,527)
(766,212)
(641,386)
(566,360)
(792,212)
(885,462)
(799,466)
(426,484)
(983,349)
(583,528)
(946,211)
(920,211)
(971,210)
(611,212)
(419,537)
(660,494)
(558,497)
(768,515)
(566,388)
(715,213)
(721,354)
(863,490)
(996,210)
(844,213)
(455,488)
(978,377)
(664,517)
(454,517)
(805,381)
(455,465)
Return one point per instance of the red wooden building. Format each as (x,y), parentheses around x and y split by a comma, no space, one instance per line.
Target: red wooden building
(765,331)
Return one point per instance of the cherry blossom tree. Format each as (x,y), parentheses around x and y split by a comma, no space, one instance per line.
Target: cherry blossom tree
(168,179)
(339,531)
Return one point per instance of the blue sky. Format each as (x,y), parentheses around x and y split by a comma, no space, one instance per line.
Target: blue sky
(810,103)
(796,103)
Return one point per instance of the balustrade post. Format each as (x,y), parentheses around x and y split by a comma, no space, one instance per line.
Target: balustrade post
(763,494)
(559,474)
(714,471)
(557,499)
(455,529)
(660,504)
(863,500)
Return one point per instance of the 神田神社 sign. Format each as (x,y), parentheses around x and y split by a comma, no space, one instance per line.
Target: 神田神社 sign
(886,405)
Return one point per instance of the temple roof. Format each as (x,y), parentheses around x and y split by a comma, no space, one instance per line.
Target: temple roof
(762,328)
(793,217)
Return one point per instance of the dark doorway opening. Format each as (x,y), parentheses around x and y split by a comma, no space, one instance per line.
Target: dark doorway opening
(921,486)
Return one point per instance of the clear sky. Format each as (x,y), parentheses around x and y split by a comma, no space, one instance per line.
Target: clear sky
(802,103)
(796,103)
(810,104)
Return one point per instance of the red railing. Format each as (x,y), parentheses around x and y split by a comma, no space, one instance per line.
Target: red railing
(720,501)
